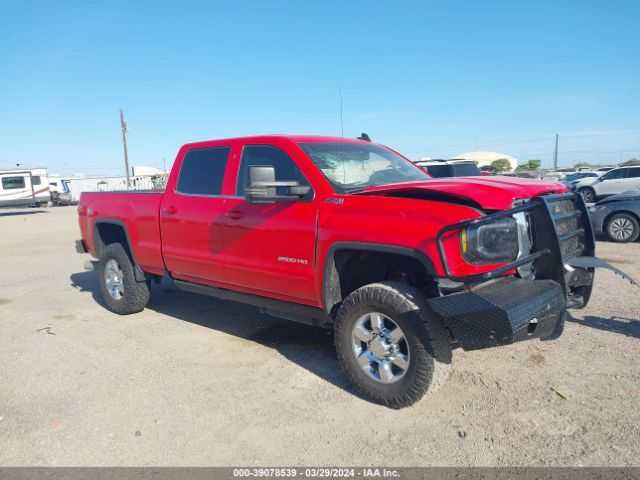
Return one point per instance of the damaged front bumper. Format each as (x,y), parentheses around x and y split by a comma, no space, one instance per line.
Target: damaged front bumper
(503,311)
(496,310)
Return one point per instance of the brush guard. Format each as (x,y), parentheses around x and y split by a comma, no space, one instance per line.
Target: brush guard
(498,311)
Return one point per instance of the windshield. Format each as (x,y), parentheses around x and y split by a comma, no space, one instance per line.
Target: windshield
(350,167)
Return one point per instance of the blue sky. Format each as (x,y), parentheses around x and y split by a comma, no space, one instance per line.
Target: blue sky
(427,78)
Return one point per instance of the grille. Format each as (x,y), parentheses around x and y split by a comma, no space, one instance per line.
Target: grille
(569,225)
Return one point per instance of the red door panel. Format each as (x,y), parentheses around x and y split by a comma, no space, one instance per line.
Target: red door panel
(271,247)
(192,237)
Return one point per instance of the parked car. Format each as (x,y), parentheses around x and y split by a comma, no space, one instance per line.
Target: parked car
(569,179)
(618,217)
(450,168)
(613,182)
(350,234)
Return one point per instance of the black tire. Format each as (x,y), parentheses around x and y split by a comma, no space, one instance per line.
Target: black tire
(588,194)
(426,338)
(622,228)
(135,294)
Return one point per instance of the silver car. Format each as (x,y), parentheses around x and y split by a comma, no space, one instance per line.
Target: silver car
(618,180)
(617,217)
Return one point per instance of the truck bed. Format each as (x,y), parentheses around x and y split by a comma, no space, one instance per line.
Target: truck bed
(137,211)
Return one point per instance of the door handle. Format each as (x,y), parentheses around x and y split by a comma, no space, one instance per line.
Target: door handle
(235,215)
(170,210)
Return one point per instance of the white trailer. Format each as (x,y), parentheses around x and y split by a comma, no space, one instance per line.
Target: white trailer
(24,187)
(68,189)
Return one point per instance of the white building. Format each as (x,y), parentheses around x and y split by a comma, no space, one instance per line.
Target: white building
(485,158)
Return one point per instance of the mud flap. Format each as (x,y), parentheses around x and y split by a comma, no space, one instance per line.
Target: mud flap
(595,262)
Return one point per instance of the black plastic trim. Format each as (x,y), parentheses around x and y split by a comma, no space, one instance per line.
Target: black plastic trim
(371,247)
(290,310)
(139,273)
(81,247)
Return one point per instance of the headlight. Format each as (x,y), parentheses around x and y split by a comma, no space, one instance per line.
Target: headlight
(495,242)
(597,208)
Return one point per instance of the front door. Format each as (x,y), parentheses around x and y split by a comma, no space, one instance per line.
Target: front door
(269,249)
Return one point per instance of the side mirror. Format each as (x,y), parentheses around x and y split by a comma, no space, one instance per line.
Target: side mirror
(262,186)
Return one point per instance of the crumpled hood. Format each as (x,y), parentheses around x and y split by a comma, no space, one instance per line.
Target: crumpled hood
(491,193)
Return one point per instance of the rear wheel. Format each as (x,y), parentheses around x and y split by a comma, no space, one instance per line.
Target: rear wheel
(622,227)
(393,350)
(122,293)
(588,194)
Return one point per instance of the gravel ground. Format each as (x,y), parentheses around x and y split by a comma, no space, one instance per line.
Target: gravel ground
(197,381)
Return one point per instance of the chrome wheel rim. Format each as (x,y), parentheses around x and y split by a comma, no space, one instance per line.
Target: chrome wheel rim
(621,228)
(380,347)
(113,279)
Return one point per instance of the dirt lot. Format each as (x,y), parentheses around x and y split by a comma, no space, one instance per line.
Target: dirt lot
(197,381)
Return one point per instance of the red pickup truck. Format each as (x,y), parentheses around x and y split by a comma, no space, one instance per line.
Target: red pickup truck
(349,233)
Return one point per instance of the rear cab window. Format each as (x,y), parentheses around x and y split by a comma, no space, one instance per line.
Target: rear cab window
(466,170)
(202,171)
(439,171)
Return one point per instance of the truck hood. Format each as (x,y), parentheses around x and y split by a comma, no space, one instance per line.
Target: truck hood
(488,193)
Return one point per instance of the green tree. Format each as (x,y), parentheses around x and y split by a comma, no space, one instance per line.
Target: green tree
(530,165)
(501,165)
(582,164)
(487,168)
(631,162)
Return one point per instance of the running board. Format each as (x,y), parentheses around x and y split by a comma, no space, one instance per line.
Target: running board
(595,262)
(277,308)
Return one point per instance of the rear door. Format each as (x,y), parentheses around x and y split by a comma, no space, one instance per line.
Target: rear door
(270,248)
(611,183)
(191,216)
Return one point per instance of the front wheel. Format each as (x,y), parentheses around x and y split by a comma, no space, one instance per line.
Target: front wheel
(588,195)
(122,293)
(393,349)
(622,227)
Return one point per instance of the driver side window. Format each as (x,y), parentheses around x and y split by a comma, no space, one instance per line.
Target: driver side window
(267,155)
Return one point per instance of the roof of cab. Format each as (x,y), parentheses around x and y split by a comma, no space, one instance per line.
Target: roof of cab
(262,138)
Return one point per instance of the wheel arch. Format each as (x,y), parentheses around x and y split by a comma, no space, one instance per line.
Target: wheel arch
(336,285)
(626,212)
(110,230)
(605,222)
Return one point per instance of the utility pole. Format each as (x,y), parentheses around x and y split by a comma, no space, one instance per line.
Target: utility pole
(123,125)
(341,116)
(555,155)
(164,166)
